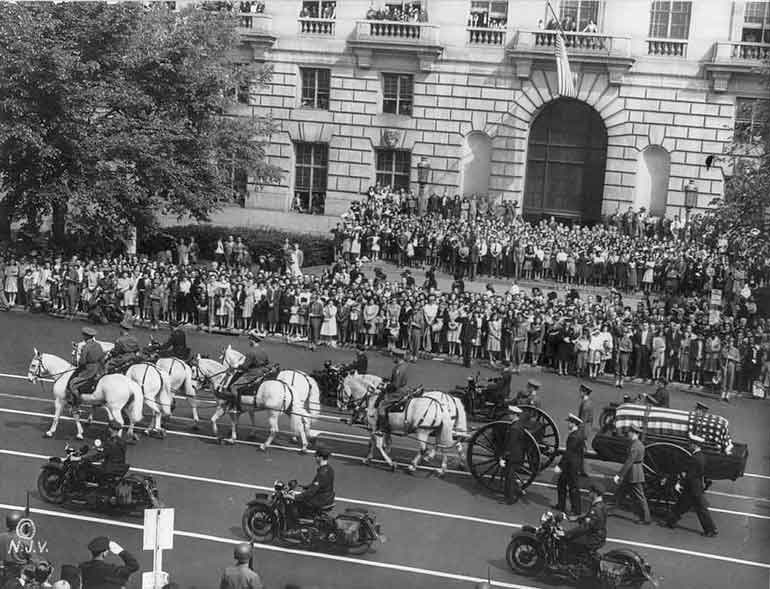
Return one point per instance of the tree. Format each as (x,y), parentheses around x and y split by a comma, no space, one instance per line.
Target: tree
(113,114)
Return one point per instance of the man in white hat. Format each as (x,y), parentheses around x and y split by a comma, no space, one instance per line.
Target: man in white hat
(569,467)
(516,440)
(693,493)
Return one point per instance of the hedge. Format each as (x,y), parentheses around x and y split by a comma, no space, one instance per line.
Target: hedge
(318,250)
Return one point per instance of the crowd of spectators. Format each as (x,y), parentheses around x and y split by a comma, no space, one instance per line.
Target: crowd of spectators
(401,12)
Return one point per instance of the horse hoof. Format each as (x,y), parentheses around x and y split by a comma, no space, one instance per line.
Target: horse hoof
(230,442)
(263,447)
(47,435)
(294,439)
(441,473)
(79,437)
(411,470)
(195,427)
(367,462)
(303,450)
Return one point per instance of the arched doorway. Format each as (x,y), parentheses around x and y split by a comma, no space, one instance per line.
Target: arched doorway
(565,162)
(476,162)
(652,180)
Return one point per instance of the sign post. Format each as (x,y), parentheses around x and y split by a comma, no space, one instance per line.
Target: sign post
(158,536)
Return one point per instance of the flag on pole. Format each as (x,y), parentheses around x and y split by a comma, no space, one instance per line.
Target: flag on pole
(563,71)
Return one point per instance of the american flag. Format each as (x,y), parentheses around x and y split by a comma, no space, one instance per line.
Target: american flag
(563,71)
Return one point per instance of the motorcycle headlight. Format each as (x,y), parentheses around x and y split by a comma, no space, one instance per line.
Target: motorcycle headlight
(97,443)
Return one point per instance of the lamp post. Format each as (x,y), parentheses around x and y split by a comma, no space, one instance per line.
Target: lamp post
(423,177)
(690,198)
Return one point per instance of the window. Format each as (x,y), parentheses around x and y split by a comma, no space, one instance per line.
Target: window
(750,118)
(397,94)
(670,20)
(576,15)
(394,168)
(318,9)
(756,23)
(488,14)
(315,88)
(310,174)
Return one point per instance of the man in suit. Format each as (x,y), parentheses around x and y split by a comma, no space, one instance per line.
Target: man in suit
(569,467)
(513,456)
(642,342)
(631,475)
(97,573)
(693,494)
(240,576)
(90,366)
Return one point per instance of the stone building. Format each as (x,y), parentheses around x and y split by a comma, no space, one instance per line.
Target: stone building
(468,88)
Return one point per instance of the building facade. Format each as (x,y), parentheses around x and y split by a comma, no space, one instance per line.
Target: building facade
(467,90)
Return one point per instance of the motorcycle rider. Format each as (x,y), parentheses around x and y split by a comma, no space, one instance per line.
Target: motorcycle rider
(90,366)
(320,492)
(126,351)
(591,533)
(12,557)
(393,391)
(108,460)
(253,366)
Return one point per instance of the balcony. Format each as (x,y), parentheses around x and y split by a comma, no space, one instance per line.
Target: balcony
(256,30)
(416,39)
(735,57)
(667,47)
(593,50)
(320,27)
(485,37)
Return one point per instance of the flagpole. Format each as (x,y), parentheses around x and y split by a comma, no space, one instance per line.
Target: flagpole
(555,18)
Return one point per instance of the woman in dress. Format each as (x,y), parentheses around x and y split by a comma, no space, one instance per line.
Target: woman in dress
(392,313)
(648,276)
(658,354)
(631,271)
(11,282)
(494,329)
(369,328)
(453,329)
(329,325)
(684,355)
(713,354)
(294,321)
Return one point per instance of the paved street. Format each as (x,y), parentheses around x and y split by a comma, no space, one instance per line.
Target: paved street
(442,532)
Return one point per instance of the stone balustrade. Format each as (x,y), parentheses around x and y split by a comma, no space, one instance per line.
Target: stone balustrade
(325,27)
(484,37)
(667,47)
(397,31)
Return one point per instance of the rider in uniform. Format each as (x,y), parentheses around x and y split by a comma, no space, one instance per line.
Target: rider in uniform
(90,366)
(252,368)
(502,390)
(320,492)
(359,365)
(175,346)
(513,456)
(591,533)
(126,351)
(529,397)
(568,468)
(110,459)
(393,391)
(11,558)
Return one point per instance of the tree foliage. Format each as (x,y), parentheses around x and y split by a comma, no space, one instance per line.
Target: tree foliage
(118,113)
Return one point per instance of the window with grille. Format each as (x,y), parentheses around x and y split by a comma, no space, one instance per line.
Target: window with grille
(315,88)
(751,116)
(576,15)
(397,94)
(394,168)
(488,14)
(310,176)
(670,20)
(756,23)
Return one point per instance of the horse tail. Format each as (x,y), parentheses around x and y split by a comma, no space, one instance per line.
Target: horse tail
(314,397)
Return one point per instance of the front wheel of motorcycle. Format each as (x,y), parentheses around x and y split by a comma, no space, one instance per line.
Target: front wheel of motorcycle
(525,555)
(49,485)
(257,523)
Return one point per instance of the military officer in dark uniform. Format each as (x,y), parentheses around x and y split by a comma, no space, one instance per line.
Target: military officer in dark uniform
(529,396)
(175,346)
(693,494)
(253,366)
(515,444)
(568,468)
(502,390)
(90,366)
(126,351)
(393,391)
(661,396)
(320,492)
(631,475)
(359,365)
(241,576)
(110,458)
(98,573)
(591,533)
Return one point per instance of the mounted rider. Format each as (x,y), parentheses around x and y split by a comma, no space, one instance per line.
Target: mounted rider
(126,351)
(175,346)
(393,391)
(90,366)
(253,367)
(360,364)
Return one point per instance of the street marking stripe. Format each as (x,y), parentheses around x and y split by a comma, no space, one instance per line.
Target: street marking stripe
(270,547)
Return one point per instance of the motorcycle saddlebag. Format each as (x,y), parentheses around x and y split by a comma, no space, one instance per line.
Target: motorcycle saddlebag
(124,493)
(348,527)
(614,569)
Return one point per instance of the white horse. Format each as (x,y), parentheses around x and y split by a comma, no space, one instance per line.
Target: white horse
(272,395)
(155,389)
(114,392)
(355,387)
(431,413)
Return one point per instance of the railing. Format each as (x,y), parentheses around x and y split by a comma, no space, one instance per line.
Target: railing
(386,30)
(667,47)
(485,36)
(584,43)
(317,26)
(728,51)
(255,23)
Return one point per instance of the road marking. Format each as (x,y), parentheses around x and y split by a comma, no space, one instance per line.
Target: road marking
(270,547)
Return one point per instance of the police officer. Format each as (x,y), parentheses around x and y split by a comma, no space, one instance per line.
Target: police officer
(393,391)
(631,474)
(125,352)
(529,397)
(90,366)
(254,363)
(110,459)
(568,468)
(591,533)
(693,495)
(11,557)
(97,573)
(241,576)
(320,492)
(515,443)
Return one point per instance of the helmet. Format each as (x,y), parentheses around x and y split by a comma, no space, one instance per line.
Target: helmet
(242,552)
(12,520)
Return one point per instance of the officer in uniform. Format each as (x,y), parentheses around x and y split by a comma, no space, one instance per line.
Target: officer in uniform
(591,533)
(241,576)
(502,391)
(568,468)
(97,572)
(393,391)
(12,559)
(320,492)
(529,397)
(110,459)
(693,494)
(126,351)
(631,474)
(90,366)
(661,396)
(253,366)
(513,456)
(175,346)
(360,364)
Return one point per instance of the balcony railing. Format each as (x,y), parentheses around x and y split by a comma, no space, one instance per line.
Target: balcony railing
(743,51)
(486,37)
(417,33)
(255,23)
(540,41)
(317,26)
(667,47)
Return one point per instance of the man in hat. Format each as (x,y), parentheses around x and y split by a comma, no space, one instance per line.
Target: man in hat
(570,466)
(393,391)
(241,576)
(175,346)
(502,391)
(529,396)
(90,366)
(125,352)
(320,492)
(591,533)
(586,410)
(661,396)
(107,459)
(97,573)
(514,446)
(693,494)
(360,364)
(252,368)
(630,477)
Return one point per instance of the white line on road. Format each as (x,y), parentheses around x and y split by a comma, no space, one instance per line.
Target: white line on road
(428,512)
(322,556)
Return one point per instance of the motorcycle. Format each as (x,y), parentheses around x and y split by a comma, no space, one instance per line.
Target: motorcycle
(266,519)
(61,480)
(535,552)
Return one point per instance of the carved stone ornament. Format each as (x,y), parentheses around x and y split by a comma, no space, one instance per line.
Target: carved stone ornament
(391,138)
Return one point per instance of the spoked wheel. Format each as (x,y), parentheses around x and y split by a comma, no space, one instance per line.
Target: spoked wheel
(485,449)
(257,523)
(544,430)
(49,485)
(607,419)
(525,556)
(664,464)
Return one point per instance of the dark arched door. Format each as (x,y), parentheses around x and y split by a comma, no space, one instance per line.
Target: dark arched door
(565,162)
